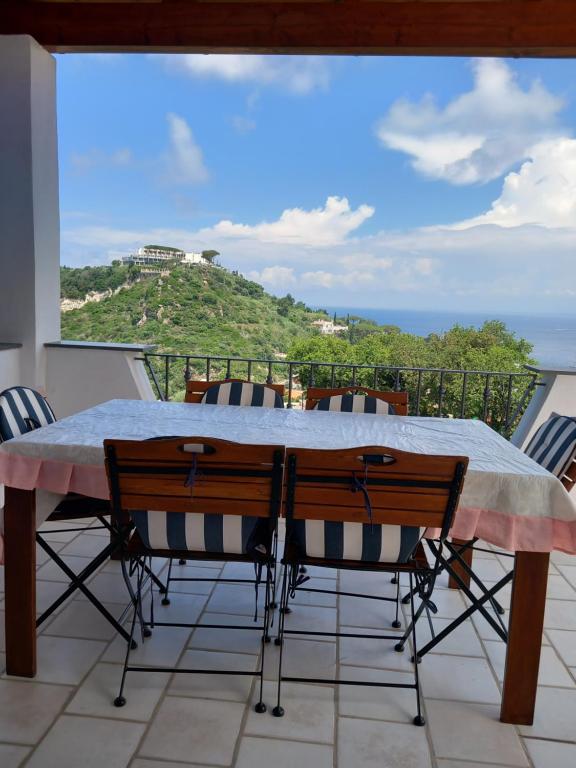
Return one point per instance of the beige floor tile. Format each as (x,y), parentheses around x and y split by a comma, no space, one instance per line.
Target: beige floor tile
(183,607)
(194,587)
(12,756)
(568,569)
(559,588)
(144,763)
(367,582)
(449,602)
(51,571)
(66,660)
(463,641)
(561,558)
(466,764)
(458,678)
(549,754)
(81,619)
(552,671)
(302,658)
(2,632)
(206,686)
(60,533)
(565,643)
(312,619)
(236,598)
(109,587)
(185,729)
(560,614)
(308,714)
(373,653)
(240,641)
(473,732)
(370,744)
(96,694)
(317,598)
(87,742)
(377,703)
(367,613)
(163,648)
(265,753)
(555,715)
(85,546)
(46,594)
(491,569)
(27,709)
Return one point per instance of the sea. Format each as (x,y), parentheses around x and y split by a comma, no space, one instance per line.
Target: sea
(553,336)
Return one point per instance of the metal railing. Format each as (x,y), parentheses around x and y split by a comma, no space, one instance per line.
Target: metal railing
(498,398)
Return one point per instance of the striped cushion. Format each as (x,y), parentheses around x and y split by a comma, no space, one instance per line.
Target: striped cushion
(553,445)
(353,541)
(195,532)
(22,410)
(242,393)
(354,404)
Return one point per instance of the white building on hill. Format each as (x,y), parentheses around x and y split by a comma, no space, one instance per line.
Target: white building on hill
(159,255)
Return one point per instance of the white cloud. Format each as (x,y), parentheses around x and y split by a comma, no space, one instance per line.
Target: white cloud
(274,277)
(480,134)
(184,162)
(542,192)
(319,227)
(97,158)
(298,74)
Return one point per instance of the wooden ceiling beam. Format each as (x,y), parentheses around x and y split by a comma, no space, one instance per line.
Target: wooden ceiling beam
(411,27)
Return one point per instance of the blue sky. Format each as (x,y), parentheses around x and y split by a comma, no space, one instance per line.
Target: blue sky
(375,182)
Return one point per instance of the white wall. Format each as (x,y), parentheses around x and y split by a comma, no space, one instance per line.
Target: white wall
(556,393)
(29,207)
(9,368)
(78,378)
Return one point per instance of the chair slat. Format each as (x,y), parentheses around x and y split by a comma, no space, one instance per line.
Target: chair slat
(397,399)
(195,390)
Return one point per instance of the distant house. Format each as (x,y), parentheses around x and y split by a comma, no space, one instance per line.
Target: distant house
(328,327)
(154,256)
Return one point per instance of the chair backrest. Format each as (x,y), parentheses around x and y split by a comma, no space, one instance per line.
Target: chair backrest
(241,393)
(196,493)
(553,446)
(349,399)
(369,503)
(21,410)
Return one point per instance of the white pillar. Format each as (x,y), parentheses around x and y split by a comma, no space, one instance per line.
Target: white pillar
(29,206)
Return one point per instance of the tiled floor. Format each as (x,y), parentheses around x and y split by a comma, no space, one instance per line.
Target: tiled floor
(65,717)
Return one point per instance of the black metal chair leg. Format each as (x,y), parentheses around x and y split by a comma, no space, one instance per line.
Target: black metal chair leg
(418,720)
(120,700)
(278,711)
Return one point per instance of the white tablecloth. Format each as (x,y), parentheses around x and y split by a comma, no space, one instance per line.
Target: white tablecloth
(507,497)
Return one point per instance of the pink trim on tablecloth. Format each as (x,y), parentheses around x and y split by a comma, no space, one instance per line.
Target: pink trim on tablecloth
(511,532)
(57,476)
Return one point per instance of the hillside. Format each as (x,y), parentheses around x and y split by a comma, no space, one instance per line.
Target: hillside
(200,310)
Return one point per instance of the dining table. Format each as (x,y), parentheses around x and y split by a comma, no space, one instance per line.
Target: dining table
(508,500)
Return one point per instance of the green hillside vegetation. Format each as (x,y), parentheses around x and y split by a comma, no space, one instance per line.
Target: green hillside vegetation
(197,310)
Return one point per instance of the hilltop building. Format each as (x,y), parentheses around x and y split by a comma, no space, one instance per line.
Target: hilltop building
(154,256)
(327,327)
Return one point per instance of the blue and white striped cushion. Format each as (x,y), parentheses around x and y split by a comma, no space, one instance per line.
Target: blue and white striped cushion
(354,404)
(553,445)
(242,393)
(353,541)
(22,410)
(195,532)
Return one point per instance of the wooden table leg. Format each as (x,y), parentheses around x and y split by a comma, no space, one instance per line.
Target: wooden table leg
(524,637)
(20,574)
(467,556)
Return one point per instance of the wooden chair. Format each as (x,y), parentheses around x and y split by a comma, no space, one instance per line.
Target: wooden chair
(197,498)
(196,390)
(398,400)
(365,509)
